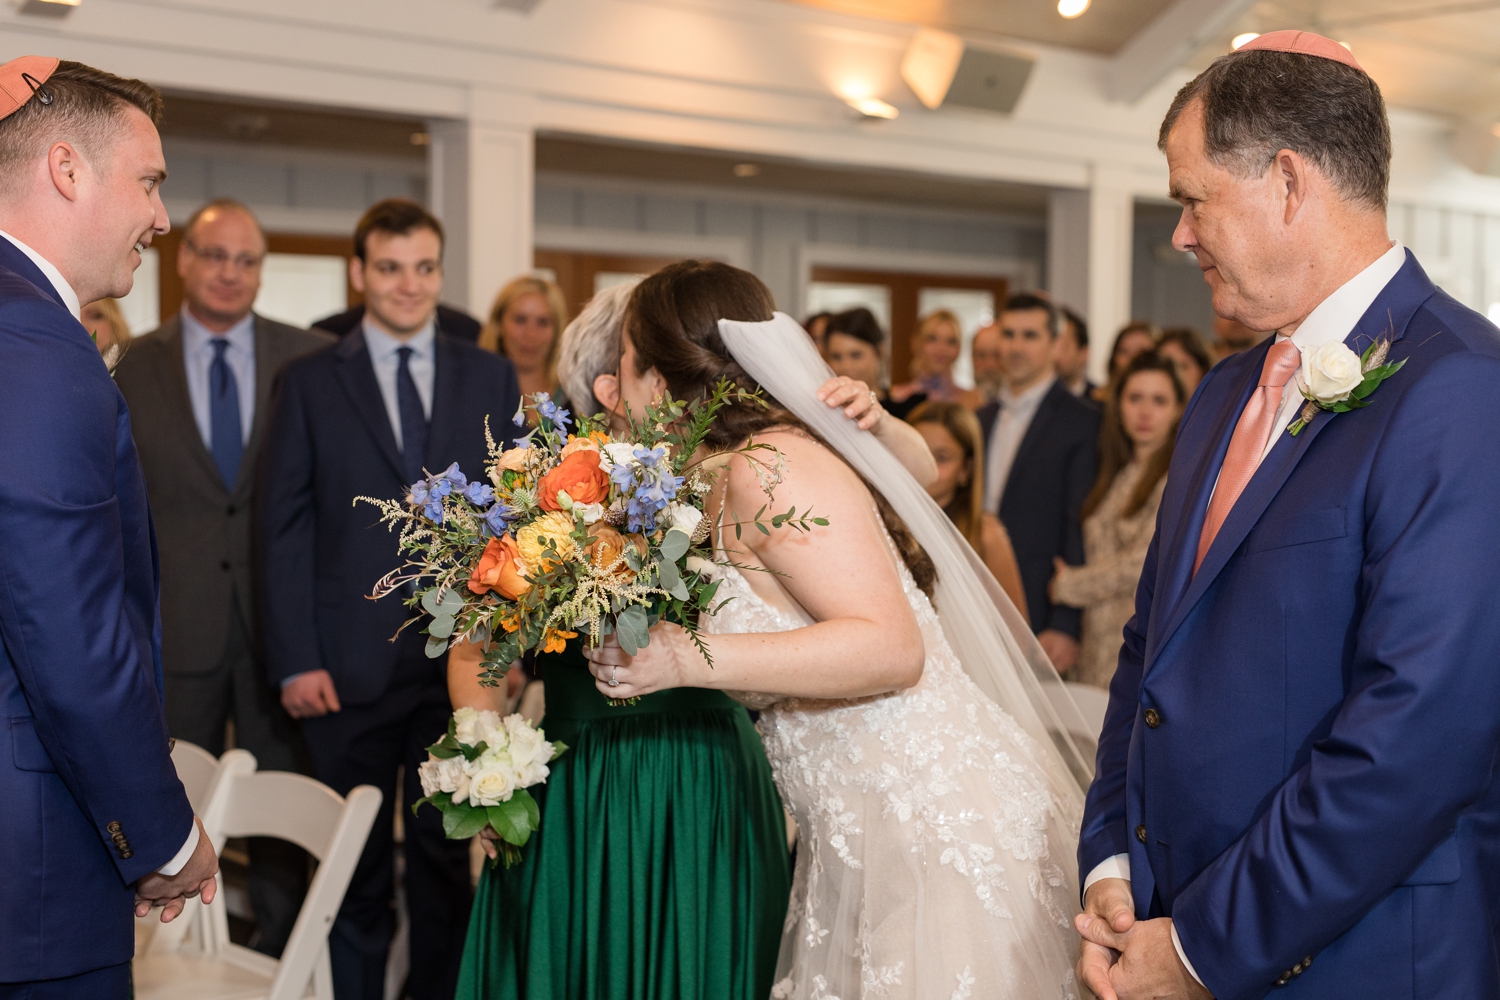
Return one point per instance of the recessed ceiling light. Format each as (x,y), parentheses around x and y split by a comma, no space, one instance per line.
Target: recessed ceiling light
(1072,8)
(746,169)
(1244,39)
(873,107)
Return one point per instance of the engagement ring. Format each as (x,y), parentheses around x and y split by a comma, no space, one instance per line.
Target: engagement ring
(612,682)
(874,399)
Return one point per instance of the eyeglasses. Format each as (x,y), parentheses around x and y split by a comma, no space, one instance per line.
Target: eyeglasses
(218,257)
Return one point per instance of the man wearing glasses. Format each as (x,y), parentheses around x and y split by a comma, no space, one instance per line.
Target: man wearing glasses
(199,391)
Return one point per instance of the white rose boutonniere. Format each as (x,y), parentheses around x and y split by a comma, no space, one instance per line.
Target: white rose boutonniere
(1336,380)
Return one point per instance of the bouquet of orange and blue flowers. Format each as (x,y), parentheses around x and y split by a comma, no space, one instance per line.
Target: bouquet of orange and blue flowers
(570,532)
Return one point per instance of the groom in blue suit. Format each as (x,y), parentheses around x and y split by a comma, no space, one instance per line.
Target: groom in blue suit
(1296,780)
(93,821)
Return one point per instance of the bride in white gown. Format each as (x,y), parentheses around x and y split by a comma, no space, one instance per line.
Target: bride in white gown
(937,803)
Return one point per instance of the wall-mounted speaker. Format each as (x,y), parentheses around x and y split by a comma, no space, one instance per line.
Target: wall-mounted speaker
(942,69)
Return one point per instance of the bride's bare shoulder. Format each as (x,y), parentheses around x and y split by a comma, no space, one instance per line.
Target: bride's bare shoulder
(792,458)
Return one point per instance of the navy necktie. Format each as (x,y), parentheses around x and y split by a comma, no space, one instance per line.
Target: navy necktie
(413,419)
(225,432)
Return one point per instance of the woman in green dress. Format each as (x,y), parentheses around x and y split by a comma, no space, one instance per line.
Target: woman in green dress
(660,870)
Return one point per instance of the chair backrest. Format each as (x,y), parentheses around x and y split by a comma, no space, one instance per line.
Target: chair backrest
(1093,702)
(1080,705)
(309,814)
(196,769)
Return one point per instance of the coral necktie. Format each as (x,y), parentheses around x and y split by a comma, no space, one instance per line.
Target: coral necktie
(1249,442)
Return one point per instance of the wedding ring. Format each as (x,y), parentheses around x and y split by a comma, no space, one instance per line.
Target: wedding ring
(874,399)
(612,682)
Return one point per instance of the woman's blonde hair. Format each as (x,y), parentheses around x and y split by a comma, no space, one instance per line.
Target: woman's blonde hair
(936,318)
(115,318)
(966,509)
(490,338)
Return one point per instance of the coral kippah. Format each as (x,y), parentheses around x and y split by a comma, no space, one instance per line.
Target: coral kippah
(21,78)
(1303,43)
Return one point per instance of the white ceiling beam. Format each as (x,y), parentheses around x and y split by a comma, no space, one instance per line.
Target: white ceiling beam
(1166,43)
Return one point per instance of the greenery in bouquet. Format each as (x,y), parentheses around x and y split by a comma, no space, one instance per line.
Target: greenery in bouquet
(478,773)
(572,531)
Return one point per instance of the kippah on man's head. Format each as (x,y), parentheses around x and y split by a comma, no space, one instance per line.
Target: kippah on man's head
(1303,43)
(22,79)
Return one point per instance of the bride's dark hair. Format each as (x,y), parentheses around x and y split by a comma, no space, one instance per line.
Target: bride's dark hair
(673,321)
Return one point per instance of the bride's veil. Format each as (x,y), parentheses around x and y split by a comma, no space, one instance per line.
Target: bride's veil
(990,638)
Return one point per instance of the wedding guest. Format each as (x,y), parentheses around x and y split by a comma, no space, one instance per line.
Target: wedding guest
(1134,338)
(1232,337)
(988,362)
(525,321)
(104,320)
(198,389)
(1135,448)
(816,326)
(366,417)
(855,350)
(935,349)
(94,822)
(588,359)
(1073,355)
(1039,465)
(953,436)
(1184,348)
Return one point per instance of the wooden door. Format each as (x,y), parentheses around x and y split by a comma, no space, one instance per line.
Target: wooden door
(577,272)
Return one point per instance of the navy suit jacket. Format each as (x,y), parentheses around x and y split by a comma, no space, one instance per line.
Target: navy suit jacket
(86,754)
(330,441)
(1300,746)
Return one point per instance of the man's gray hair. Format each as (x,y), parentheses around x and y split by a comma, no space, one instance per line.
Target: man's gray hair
(591,346)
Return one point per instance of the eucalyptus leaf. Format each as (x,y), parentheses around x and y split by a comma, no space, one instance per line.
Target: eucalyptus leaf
(631,628)
(669,576)
(430,601)
(675,545)
(452,602)
(441,627)
(436,647)
(679,591)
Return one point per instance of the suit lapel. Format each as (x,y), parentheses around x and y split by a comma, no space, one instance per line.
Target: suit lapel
(447,380)
(267,361)
(172,373)
(1387,317)
(356,374)
(1031,440)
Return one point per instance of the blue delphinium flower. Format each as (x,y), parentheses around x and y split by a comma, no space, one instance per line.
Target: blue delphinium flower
(546,408)
(498,518)
(648,485)
(429,493)
(479,494)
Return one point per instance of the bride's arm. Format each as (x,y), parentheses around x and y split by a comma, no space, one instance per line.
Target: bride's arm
(866,640)
(464,689)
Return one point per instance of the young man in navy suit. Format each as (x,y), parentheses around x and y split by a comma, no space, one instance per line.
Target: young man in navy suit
(365,417)
(94,821)
(1296,782)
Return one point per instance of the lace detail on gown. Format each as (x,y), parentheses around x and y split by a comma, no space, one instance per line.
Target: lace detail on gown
(925,862)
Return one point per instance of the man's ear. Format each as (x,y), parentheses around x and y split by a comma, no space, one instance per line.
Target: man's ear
(357,274)
(607,392)
(1293,176)
(63,165)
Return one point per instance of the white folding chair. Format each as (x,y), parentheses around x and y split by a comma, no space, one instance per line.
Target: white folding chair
(199,771)
(291,807)
(1090,704)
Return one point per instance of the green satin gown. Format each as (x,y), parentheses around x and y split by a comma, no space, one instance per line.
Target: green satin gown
(660,870)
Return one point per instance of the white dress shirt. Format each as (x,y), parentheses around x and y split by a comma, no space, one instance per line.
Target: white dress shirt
(70,300)
(59,283)
(1016,414)
(383,350)
(1332,320)
(198,356)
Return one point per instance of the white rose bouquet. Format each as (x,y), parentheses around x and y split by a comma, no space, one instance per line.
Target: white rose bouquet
(478,773)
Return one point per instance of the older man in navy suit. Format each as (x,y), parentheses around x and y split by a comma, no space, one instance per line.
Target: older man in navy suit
(94,820)
(365,417)
(1296,779)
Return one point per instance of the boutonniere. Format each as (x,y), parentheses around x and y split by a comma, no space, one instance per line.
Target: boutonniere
(1336,380)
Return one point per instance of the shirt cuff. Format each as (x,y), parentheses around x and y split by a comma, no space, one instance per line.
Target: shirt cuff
(180,859)
(289,680)
(1177,943)
(1115,867)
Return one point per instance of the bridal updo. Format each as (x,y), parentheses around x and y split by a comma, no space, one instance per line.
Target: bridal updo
(673,321)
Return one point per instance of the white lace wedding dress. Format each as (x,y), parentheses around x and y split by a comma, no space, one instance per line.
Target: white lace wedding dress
(932,862)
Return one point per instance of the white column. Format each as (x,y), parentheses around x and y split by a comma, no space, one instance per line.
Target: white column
(1068,247)
(481,185)
(1111,220)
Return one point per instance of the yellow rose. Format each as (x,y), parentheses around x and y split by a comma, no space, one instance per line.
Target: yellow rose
(554,527)
(576,444)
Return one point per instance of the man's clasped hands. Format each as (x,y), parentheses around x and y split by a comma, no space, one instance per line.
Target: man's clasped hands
(1122,958)
(171,892)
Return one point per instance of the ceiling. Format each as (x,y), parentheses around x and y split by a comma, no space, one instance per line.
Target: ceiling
(1441,56)
(187,116)
(1106,26)
(577,155)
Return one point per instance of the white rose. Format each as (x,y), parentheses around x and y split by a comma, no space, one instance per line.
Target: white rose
(493,785)
(532,774)
(492,730)
(466,726)
(527,745)
(685,517)
(444,776)
(428,773)
(1330,372)
(616,453)
(590,512)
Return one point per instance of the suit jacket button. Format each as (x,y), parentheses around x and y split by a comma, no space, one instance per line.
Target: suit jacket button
(114,826)
(1153,718)
(1140,833)
(127,854)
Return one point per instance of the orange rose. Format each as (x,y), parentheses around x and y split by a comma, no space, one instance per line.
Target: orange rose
(607,544)
(579,476)
(577,444)
(500,570)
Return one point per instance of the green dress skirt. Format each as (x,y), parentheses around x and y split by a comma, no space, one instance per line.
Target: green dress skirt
(660,870)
